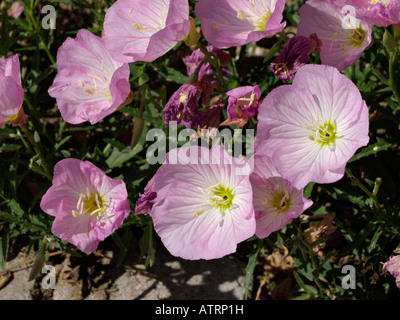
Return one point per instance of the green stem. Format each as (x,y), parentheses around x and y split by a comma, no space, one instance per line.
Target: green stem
(213,60)
(37,29)
(380,76)
(392,77)
(37,149)
(363,188)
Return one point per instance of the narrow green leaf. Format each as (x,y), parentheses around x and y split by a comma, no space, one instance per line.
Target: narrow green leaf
(4,241)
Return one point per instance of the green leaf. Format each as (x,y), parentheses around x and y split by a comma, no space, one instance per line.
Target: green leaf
(308,190)
(374,240)
(119,157)
(15,208)
(373,149)
(59,144)
(251,266)
(176,76)
(3,251)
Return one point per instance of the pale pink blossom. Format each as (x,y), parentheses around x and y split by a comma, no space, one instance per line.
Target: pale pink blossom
(243,103)
(381,13)
(343,40)
(90,84)
(276,201)
(393,266)
(16,9)
(314,126)
(88,206)
(204,205)
(228,23)
(11,92)
(142,30)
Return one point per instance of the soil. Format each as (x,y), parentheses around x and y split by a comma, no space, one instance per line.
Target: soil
(97,276)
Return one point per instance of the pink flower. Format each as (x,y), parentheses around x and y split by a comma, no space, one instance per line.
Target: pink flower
(294,55)
(204,203)
(142,30)
(16,9)
(343,40)
(90,85)
(147,199)
(229,23)
(206,72)
(243,104)
(381,13)
(393,266)
(314,126)
(87,205)
(11,92)
(276,201)
(184,109)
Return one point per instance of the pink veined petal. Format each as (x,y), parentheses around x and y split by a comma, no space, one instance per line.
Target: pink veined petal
(288,125)
(189,223)
(11,98)
(269,222)
(88,206)
(131,25)
(77,231)
(233,23)
(267,184)
(57,195)
(11,67)
(326,20)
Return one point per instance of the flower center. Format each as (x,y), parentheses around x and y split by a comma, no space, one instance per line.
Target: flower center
(89,204)
(280,201)
(326,134)
(222,197)
(356,37)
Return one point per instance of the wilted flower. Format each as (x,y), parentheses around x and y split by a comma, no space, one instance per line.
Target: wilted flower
(381,13)
(294,55)
(343,40)
(183,106)
(393,266)
(87,205)
(147,199)
(142,30)
(11,92)
(276,201)
(314,126)
(243,104)
(206,71)
(229,23)
(90,85)
(204,203)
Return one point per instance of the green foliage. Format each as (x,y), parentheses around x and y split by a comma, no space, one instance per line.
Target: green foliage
(365,202)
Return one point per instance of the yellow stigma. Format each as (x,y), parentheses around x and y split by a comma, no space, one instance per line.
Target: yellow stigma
(90,204)
(222,197)
(357,37)
(326,134)
(277,199)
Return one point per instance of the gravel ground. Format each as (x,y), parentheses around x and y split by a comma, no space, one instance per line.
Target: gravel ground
(96,277)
